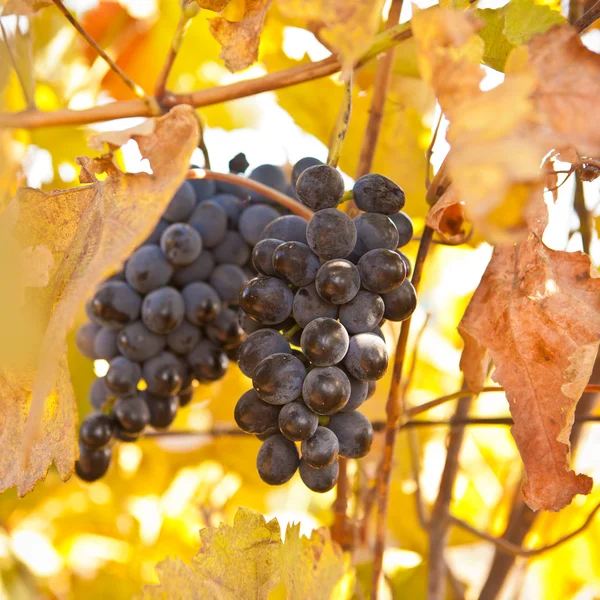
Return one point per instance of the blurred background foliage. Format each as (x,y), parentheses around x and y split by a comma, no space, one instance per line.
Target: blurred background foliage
(102,540)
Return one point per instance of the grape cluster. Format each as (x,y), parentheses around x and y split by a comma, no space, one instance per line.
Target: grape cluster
(170,317)
(315,348)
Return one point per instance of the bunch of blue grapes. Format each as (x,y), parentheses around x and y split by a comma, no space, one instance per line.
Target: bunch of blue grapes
(169,319)
(313,313)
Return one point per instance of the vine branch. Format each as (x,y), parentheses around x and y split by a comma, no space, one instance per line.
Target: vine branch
(338,135)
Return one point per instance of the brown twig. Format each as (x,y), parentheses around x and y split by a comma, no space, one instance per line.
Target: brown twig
(589,18)
(339,529)
(429,152)
(29,99)
(516,550)
(338,135)
(281,199)
(207,97)
(135,88)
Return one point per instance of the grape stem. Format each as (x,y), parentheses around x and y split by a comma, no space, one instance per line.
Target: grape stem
(348,195)
(281,199)
(289,334)
(338,135)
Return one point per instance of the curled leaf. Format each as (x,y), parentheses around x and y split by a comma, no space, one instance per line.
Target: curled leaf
(447,217)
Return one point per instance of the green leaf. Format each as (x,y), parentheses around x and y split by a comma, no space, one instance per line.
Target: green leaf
(497,47)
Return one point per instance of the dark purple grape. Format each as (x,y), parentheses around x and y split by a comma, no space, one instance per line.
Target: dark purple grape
(267,300)
(208,361)
(232,205)
(252,415)
(404,225)
(372,388)
(123,376)
(363,313)
(308,306)
(185,396)
(337,281)
(289,228)
(209,219)
(321,449)
(267,434)
(123,436)
(270,175)
(147,269)
(163,410)
(115,304)
(278,378)
(163,374)
(375,193)
(99,394)
(204,188)
(319,480)
(232,249)
(301,166)
(295,262)
(163,310)
(225,330)
(154,237)
(277,460)
(359,393)
(297,422)
(132,414)
(201,301)
(181,244)
(105,344)
(84,339)
(92,464)
(182,204)
(331,234)
(228,281)
(320,187)
(96,431)
(326,390)
(258,346)
(406,263)
(381,270)
(138,343)
(401,302)
(184,339)
(262,256)
(199,270)
(324,342)
(374,231)
(367,357)
(354,433)
(254,219)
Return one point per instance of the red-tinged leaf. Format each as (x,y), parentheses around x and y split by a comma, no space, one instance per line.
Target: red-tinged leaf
(536,313)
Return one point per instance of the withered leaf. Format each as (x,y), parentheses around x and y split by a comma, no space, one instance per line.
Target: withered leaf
(536,313)
(24,7)
(77,237)
(447,217)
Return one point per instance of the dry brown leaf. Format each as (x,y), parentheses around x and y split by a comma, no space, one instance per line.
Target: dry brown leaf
(536,313)
(447,217)
(116,139)
(214,5)
(77,236)
(24,7)
(239,40)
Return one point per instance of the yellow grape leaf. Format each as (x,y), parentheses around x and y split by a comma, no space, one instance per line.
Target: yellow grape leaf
(346,27)
(536,313)
(76,236)
(246,561)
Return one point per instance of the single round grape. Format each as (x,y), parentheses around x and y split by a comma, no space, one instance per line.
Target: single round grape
(295,262)
(225,330)
(163,374)
(254,219)
(363,313)
(92,464)
(278,378)
(378,331)
(249,325)
(277,460)
(337,281)
(289,228)
(319,187)
(374,231)
(96,431)
(115,304)
(320,480)
(182,204)
(132,414)
(99,393)
(367,357)
(138,343)
(270,175)
(381,270)
(232,249)
(203,188)
(321,449)
(331,234)
(228,280)
(297,422)
(232,205)
(199,270)
(324,342)
(252,415)
(267,434)
(406,262)
(226,187)
(372,388)
(401,302)
(105,344)
(404,225)
(209,219)
(208,361)
(239,163)
(181,244)
(308,306)
(84,339)
(326,390)
(375,193)
(301,166)
(185,396)
(201,301)
(267,300)
(163,410)
(354,433)
(184,339)
(123,376)
(262,256)
(123,436)
(257,346)
(154,237)
(359,393)
(163,310)
(147,269)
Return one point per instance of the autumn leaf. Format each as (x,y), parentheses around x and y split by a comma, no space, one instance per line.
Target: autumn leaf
(76,237)
(247,560)
(536,314)
(24,7)
(447,217)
